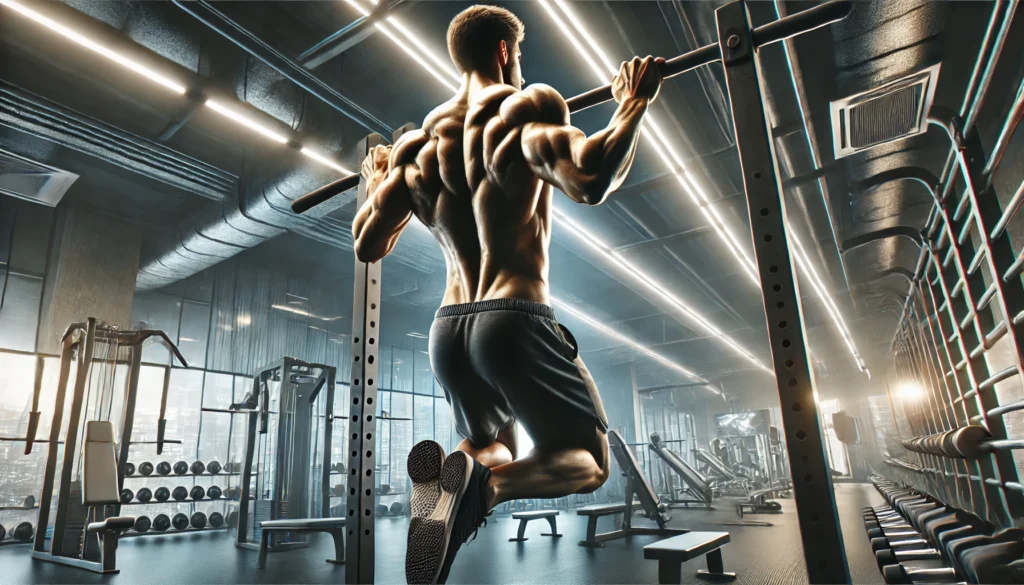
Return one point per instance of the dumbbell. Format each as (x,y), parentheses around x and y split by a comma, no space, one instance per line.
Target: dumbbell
(213,467)
(3,532)
(143,524)
(144,495)
(129,469)
(197,492)
(161,523)
(198,467)
(901,574)
(127,495)
(180,468)
(163,468)
(162,494)
(396,509)
(382,510)
(179,521)
(146,468)
(231,493)
(232,518)
(180,493)
(213,492)
(216,519)
(198,520)
(23,532)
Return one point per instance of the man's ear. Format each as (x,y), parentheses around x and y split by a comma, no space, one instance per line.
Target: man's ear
(503,52)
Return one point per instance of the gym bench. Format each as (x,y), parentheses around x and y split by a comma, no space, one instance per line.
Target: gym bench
(333,526)
(671,553)
(525,517)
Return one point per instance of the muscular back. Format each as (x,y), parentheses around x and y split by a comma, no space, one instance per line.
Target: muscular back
(476,191)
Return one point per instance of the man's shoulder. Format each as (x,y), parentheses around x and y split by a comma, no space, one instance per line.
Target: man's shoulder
(537,103)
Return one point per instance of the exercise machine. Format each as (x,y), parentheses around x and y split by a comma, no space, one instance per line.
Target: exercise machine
(287,464)
(79,521)
(696,491)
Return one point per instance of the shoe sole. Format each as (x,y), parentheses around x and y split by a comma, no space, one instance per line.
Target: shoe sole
(429,536)
(424,463)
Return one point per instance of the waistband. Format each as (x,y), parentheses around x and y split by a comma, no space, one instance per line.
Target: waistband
(520,305)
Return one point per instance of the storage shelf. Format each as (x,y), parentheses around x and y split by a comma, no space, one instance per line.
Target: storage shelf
(188,501)
(172,476)
(151,531)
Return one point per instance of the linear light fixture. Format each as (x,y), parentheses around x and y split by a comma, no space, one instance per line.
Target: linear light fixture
(582,234)
(675,163)
(225,110)
(290,309)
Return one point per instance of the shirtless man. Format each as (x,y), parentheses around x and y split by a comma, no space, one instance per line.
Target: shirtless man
(479,175)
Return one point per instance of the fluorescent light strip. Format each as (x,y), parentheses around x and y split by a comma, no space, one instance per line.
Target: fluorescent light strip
(584,235)
(93,46)
(163,80)
(727,237)
(630,342)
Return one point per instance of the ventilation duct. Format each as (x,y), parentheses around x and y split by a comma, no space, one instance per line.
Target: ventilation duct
(33,181)
(883,114)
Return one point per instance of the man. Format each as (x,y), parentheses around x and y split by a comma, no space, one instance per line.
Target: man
(479,175)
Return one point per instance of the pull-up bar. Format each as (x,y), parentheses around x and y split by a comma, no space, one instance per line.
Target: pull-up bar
(773,32)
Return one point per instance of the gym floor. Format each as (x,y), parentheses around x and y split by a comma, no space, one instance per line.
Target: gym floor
(758,555)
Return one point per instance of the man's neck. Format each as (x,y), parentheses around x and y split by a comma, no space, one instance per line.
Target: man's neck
(476,81)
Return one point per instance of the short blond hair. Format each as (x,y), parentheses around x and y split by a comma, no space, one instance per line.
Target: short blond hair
(474,33)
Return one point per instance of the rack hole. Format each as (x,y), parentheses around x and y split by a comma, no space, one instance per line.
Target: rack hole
(369,400)
(369,436)
(822,565)
(366,512)
(355,436)
(764,211)
(369,418)
(800,435)
(780,305)
(355,453)
(352,491)
(808,477)
(757,175)
(368,492)
(355,401)
(786,343)
(815,518)
(767,237)
(373,305)
(357,358)
(796,407)
(369,454)
(369,359)
(355,340)
(366,532)
(777,288)
(355,382)
(369,382)
(789,363)
(782,324)
(792,382)
(373,323)
(355,418)
(373,280)
(371,341)
(369,472)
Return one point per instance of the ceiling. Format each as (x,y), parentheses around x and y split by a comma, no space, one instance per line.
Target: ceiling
(155,159)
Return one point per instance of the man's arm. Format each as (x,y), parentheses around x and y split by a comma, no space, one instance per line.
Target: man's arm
(388,207)
(586,168)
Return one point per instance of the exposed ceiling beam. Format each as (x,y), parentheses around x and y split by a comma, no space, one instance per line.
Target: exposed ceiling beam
(349,36)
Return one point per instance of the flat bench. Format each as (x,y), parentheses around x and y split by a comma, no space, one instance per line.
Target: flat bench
(671,553)
(333,526)
(525,517)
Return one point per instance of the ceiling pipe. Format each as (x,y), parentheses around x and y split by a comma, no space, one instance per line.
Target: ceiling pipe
(351,35)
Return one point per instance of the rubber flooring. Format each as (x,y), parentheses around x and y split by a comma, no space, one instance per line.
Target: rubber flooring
(759,555)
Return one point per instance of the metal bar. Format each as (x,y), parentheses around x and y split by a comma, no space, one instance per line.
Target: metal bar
(359,553)
(773,32)
(218,21)
(128,416)
(998,377)
(354,33)
(986,79)
(1011,208)
(812,482)
(46,492)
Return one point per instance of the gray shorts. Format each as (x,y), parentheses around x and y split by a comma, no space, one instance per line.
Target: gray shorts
(507,360)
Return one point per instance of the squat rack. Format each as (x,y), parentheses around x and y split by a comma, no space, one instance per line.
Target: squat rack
(736,48)
(965,299)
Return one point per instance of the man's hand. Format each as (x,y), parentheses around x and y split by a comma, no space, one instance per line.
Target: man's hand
(639,78)
(375,167)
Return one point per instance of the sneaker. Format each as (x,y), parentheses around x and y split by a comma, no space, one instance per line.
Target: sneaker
(424,465)
(435,539)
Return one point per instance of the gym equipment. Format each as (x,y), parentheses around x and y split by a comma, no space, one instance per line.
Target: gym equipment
(180,493)
(23,532)
(143,524)
(333,526)
(285,462)
(180,468)
(697,486)
(636,486)
(197,492)
(213,467)
(198,520)
(146,468)
(161,523)
(144,495)
(232,518)
(396,508)
(216,519)
(382,510)
(129,469)
(3,533)
(179,521)
(525,517)
(162,494)
(197,467)
(163,468)
(127,496)
(231,493)
(213,492)
(773,32)
(671,553)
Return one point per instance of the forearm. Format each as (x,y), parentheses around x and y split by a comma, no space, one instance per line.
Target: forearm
(381,219)
(607,156)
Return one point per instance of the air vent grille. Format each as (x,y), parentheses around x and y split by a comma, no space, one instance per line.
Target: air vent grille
(32,181)
(890,112)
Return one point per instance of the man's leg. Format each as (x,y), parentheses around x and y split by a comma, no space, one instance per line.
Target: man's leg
(502,451)
(552,471)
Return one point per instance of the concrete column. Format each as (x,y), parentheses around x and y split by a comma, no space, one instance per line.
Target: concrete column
(91,272)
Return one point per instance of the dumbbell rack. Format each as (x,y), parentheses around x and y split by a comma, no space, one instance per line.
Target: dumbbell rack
(154,502)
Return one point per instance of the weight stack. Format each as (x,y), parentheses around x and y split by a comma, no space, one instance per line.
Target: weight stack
(261,510)
(74,528)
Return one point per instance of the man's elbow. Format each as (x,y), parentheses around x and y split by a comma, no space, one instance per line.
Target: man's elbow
(366,251)
(593,192)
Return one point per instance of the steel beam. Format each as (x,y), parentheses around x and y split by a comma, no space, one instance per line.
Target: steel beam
(349,36)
